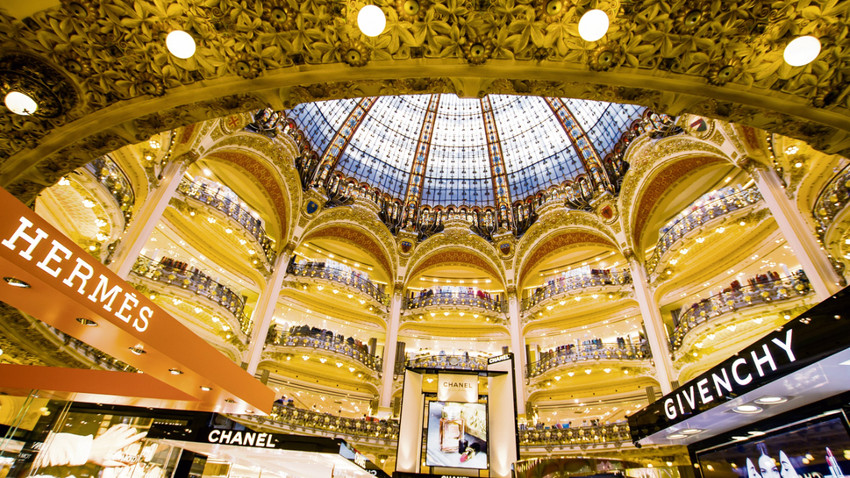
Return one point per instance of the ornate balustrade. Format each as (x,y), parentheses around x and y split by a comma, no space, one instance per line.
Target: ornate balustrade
(447,362)
(455,299)
(833,199)
(321,271)
(603,434)
(232,209)
(112,177)
(560,286)
(587,353)
(291,417)
(737,299)
(99,358)
(327,343)
(698,217)
(196,282)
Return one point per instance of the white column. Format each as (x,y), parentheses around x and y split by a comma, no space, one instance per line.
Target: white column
(390,345)
(147,218)
(656,333)
(797,233)
(518,347)
(264,311)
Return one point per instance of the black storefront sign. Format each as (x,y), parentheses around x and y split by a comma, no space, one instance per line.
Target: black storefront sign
(815,335)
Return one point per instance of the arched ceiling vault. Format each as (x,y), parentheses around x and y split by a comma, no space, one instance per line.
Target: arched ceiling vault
(355,236)
(457,256)
(559,242)
(114,83)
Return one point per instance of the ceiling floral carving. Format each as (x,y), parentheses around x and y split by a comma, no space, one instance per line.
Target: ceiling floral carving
(713,58)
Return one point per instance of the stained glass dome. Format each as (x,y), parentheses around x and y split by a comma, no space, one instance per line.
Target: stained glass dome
(442,149)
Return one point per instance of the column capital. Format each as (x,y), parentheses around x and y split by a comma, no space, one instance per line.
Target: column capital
(510,291)
(398,287)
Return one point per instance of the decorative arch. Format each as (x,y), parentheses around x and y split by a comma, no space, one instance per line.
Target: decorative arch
(356,235)
(456,239)
(363,219)
(558,242)
(455,256)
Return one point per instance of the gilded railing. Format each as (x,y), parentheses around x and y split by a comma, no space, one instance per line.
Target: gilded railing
(456,298)
(447,362)
(327,343)
(615,433)
(322,271)
(112,177)
(563,285)
(585,353)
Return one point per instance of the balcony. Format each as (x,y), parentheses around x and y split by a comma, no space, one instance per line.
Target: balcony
(300,420)
(586,354)
(699,217)
(832,200)
(197,282)
(246,218)
(447,362)
(460,300)
(99,358)
(112,177)
(599,281)
(327,342)
(752,295)
(350,279)
(598,435)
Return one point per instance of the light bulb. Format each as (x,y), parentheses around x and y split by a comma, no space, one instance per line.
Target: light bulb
(371,20)
(20,103)
(802,51)
(180,44)
(593,25)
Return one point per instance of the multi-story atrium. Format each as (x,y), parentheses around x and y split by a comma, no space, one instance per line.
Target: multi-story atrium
(327,235)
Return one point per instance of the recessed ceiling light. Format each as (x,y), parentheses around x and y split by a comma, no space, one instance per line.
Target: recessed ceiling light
(20,103)
(802,51)
(180,44)
(138,349)
(691,431)
(770,400)
(747,409)
(593,25)
(676,436)
(86,321)
(205,388)
(16,282)
(371,20)
(175,371)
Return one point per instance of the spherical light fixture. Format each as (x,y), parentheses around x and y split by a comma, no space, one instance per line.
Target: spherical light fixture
(593,25)
(20,103)
(180,44)
(371,20)
(802,51)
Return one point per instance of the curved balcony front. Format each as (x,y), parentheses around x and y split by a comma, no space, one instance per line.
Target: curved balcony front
(584,354)
(698,218)
(447,362)
(295,343)
(831,213)
(456,300)
(348,279)
(113,178)
(719,305)
(99,358)
(323,424)
(198,283)
(601,282)
(599,435)
(244,217)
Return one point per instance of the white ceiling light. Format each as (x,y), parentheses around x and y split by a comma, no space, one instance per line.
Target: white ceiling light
(20,103)
(371,20)
(180,44)
(747,409)
(593,25)
(802,51)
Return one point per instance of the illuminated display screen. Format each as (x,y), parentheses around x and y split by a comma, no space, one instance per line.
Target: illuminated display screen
(808,450)
(457,435)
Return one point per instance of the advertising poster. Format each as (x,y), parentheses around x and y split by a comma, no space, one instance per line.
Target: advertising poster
(457,435)
(103,446)
(811,450)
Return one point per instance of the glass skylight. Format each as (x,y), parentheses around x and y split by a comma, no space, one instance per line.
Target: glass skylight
(538,152)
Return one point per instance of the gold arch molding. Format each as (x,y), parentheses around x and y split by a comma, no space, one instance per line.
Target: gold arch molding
(454,256)
(355,236)
(558,243)
(262,56)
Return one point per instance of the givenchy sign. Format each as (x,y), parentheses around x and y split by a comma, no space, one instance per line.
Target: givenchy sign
(725,379)
(457,388)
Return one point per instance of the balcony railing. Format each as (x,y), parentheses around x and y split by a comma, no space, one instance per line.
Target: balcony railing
(736,299)
(562,285)
(699,216)
(585,354)
(448,362)
(348,278)
(458,299)
(327,343)
(99,358)
(223,203)
(197,282)
(603,434)
(292,417)
(832,200)
(112,177)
